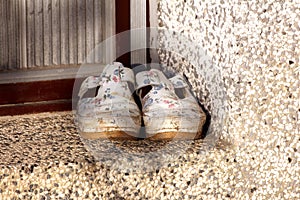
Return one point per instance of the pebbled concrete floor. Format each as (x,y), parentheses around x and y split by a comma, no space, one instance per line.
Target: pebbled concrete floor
(42,157)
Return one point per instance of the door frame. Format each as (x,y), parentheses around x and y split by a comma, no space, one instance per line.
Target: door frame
(31,92)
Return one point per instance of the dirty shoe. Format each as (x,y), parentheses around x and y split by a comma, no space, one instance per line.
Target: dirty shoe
(112,113)
(169,109)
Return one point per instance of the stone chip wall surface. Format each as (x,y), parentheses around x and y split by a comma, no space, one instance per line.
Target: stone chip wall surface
(255,45)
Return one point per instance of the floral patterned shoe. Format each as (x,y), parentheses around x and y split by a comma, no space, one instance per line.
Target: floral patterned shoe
(112,113)
(169,109)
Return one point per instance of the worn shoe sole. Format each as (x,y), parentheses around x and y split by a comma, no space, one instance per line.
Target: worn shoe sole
(113,135)
(174,136)
(175,128)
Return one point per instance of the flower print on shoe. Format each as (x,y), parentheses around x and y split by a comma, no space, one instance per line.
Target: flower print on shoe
(167,115)
(113,112)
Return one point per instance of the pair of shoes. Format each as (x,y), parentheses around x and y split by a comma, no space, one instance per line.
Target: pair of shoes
(168,108)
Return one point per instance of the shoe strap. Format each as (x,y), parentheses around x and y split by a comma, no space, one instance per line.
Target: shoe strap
(89,83)
(111,72)
(146,78)
(119,72)
(178,82)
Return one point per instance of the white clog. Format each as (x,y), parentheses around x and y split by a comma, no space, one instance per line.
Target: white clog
(169,109)
(113,112)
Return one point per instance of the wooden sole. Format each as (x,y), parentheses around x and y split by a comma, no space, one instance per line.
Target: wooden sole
(113,135)
(174,136)
(121,135)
